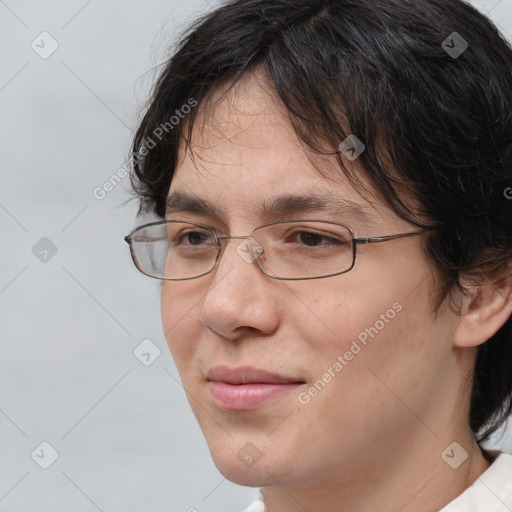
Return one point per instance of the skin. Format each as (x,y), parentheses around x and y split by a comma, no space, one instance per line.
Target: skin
(372,439)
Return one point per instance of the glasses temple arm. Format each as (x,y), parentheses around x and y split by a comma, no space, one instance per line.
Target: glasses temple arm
(377,239)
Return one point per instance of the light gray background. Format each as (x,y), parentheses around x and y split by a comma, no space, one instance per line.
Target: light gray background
(125,435)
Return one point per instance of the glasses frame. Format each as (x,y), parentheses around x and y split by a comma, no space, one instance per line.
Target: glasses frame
(356,240)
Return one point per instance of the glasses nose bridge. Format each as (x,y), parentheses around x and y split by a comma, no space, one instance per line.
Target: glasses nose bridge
(242,237)
(234,236)
(253,242)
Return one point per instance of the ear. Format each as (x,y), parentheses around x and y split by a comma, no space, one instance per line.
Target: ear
(486,310)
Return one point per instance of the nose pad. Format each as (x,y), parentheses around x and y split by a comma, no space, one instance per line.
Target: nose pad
(249,250)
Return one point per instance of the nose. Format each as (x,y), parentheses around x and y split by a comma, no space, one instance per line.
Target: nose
(240,296)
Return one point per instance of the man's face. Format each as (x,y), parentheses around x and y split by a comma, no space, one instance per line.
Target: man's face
(372,359)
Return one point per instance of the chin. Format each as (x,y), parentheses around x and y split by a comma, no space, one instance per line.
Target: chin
(242,463)
(241,474)
(248,480)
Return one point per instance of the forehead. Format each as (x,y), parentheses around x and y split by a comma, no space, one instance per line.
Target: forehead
(245,155)
(248,116)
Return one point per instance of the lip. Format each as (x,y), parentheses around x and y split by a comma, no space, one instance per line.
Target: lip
(246,388)
(247,375)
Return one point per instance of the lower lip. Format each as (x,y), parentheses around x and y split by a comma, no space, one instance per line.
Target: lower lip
(246,397)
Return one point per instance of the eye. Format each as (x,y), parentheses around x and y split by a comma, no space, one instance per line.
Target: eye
(192,237)
(312,239)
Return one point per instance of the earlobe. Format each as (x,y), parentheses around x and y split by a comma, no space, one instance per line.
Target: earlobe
(484,312)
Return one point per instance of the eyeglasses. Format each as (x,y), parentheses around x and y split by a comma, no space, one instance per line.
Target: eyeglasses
(296,249)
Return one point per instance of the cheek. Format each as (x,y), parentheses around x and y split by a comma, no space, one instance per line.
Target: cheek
(379,325)
(385,307)
(346,314)
(379,345)
(179,322)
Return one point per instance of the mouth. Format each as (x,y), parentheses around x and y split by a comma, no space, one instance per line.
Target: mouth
(247,388)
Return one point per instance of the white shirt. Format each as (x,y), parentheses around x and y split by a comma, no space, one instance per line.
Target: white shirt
(491,491)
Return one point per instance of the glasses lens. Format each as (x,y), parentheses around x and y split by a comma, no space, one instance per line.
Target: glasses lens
(287,250)
(305,249)
(174,250)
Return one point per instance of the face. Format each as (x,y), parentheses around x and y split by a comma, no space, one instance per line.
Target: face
(358,345)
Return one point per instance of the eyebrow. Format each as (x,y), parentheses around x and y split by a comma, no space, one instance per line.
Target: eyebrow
(181,202)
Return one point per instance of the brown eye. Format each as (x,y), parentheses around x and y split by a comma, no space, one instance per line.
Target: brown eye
(315,239)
